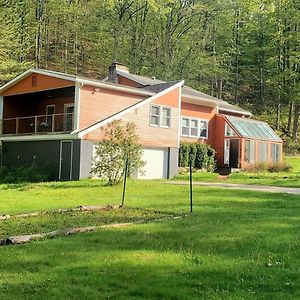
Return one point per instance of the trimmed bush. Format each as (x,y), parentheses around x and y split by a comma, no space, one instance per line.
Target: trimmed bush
(202,155)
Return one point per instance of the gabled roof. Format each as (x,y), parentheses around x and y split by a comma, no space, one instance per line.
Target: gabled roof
(187,92)
(76,79)
(249,128)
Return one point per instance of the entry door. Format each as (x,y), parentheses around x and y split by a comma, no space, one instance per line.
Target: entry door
(234,153)
(66,157)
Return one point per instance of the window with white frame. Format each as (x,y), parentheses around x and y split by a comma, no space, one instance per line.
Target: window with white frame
(193,127)
(185,126)
(160,116)
(166,117)
(203,129)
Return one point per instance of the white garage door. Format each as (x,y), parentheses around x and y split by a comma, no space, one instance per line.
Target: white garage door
(156,166)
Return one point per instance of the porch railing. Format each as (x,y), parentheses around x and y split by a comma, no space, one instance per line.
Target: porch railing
(62,123)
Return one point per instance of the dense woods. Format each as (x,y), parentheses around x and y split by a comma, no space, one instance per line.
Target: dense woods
(246,52)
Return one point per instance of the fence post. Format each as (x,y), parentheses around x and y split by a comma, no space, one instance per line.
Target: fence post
(191,183)
(124,184)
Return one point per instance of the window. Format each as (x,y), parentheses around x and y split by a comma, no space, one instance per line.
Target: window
(262,152)
(166,117)
(250,151)
(275,152)
(50,111)
(229,131)
(185,128)
(196,128)
(160,116)
(203,129)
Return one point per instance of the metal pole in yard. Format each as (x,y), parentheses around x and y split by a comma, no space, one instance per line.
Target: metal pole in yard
(191,184)
(125,180)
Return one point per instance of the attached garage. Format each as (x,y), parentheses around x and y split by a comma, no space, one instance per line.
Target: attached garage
(156,163)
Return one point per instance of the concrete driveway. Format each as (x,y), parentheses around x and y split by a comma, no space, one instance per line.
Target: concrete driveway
(259,188)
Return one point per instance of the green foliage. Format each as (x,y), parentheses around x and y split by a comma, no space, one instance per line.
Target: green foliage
(120,143)
(202,156)
(268,167)
(26,173)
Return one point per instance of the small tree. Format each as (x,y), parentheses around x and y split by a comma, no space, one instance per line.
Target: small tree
(119,144)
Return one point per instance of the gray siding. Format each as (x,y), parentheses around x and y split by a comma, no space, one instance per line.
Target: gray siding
(86,159)
(173,162)
(15,154)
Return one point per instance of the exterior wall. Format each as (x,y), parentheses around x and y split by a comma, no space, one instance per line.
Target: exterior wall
(125,81)
(43,82)
(98,104)
(86,158)
(219,139)
(150,136)
(200,112)
(16,154)
(173,162)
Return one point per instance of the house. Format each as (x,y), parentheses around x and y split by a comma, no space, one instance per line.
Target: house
(56,118)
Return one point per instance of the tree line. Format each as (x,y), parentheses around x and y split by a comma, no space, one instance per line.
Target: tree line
(246,52)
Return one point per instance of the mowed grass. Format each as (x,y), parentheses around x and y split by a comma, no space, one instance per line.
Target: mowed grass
(236,245)
(284,179)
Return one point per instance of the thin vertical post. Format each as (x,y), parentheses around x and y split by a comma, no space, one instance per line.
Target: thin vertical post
(125,180)
(191,184)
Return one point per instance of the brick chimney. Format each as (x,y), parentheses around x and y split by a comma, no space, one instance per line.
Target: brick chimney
(112,71)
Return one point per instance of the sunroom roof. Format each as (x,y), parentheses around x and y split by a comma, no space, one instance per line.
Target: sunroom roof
(253,129)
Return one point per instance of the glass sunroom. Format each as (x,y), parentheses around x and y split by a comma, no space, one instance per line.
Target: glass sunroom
(249,141)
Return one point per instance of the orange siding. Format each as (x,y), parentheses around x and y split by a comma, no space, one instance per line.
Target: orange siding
(125,81)
(98,104)
(149,135)
(201,112)
(43,82)
(219,139)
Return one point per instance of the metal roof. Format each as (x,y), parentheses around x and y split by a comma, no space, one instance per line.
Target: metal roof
(249,128)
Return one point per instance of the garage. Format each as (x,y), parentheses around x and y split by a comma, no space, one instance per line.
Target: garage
(156,166)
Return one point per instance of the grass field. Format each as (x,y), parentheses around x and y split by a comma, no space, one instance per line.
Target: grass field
(236,245)
(285,179)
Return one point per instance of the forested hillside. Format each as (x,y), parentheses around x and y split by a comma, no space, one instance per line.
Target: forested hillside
(246,52)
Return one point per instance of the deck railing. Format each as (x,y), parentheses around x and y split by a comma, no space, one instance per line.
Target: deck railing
(53,123)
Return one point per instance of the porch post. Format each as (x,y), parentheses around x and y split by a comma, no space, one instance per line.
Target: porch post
(76,107)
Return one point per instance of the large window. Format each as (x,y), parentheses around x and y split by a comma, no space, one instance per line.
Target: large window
(262,152)
(250,151)
(160,116)
(275,152)
(192,127)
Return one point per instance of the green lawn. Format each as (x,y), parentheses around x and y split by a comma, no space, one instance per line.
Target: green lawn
(285,179)
(236,245)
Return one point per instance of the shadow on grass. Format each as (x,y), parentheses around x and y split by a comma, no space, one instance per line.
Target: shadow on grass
(220,253)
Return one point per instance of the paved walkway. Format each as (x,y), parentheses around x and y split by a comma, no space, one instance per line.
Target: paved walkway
(259,188)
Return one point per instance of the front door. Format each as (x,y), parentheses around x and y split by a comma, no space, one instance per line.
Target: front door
(66,157)
(234,153)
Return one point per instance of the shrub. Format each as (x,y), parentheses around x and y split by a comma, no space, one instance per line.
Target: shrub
(119,143)
(202,155)
(268,167)
(26,173)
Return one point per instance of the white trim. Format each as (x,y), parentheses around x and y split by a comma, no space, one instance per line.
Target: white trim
(60,159)
(179,116)
(244,113)
(43,137)
(135,91)
(128,110)
(77,106)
